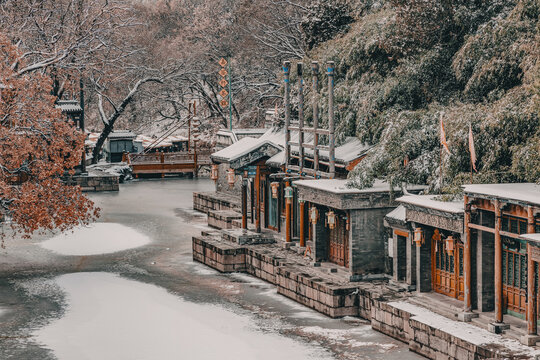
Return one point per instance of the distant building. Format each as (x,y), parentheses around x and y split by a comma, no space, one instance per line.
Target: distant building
(117,143)
(226,137)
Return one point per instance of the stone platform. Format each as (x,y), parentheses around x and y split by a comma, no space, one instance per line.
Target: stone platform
(328,289)
(222,219)
(207,201)
(95,181)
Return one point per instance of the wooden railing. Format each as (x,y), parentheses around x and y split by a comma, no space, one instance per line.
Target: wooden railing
(162,163)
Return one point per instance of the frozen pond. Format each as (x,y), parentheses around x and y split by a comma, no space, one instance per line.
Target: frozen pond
(126,288)
(98,238)
(109,317)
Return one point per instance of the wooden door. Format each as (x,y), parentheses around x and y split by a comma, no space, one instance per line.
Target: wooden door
(447,275)
(514,280)
(339,243)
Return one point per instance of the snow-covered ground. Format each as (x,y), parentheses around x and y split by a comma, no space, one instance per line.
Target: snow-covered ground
(110,317)
(98,238)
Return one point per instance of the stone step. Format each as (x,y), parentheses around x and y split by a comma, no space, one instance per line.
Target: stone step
(435,306)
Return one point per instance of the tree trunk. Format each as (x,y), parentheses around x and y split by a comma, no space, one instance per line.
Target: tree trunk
(107,129)
(109,123)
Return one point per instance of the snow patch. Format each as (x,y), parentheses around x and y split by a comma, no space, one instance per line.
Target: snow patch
(347,336)
(109,317)
(98,238)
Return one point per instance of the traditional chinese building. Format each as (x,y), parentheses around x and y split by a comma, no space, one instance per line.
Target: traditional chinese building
(427,244)
(347,224)
(481,252)
(119,142)
(499,221)
(73,110)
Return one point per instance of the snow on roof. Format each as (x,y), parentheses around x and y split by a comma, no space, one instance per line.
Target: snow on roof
(91,139)
(274,136)
(176,138)
(69,106)
(531,237)
(350,150)
(239,148)
(122,134)
(250,131)
(237,134)
(429,201)
(148,141)
(398,213)
(276,160)
(523,192)
(340,186)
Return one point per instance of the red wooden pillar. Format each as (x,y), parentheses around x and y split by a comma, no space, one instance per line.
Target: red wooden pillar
(467,258)
(287,218)
(301,206)
(531,290)
(498,265)
(258,199)
(244,203)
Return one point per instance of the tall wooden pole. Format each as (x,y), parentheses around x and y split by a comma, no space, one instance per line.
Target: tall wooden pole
(244,203)
(331,130)
(189,127)
(440,169)
(315,74)
(286,72)
(301,208)
(258,199)
(498,265)
(81,124)
(467,257)
(287,218)
(230,93)
(532,311)
(300,117)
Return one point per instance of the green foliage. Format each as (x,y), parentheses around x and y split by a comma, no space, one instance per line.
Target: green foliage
(324,20)
(475,62)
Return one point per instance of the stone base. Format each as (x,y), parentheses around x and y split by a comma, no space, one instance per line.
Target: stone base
(368,277)
(95,183)
(466,316)
(529,340)
(222,219)
(287,245)
(206,201)
(498,328)
(247,237)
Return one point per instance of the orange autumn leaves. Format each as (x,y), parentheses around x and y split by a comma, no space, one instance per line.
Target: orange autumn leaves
(37,147)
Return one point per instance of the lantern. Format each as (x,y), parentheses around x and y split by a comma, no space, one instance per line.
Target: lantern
(275,189)
(313,215)
(331,219)
(288,195)
(436,235)
(418,237)
(230,177)
(450,245)
(214,173)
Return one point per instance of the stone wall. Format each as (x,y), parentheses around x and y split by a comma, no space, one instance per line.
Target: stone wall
(222,184)
(367,241)
(95,183)
(207,201)
(374,303)
(390,320)
(218,255)
(222,219)
(332,300)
